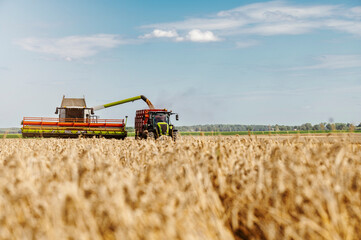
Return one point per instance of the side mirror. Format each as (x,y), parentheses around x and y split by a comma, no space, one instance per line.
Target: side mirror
(176,117)
(56,111)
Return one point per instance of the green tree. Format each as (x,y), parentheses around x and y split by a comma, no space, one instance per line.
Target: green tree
(340,126)
(306,127)
(316,127)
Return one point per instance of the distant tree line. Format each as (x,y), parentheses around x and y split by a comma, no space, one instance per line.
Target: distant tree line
(10,130)
(239,127)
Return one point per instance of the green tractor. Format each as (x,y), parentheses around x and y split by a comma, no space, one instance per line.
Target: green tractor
(154,123)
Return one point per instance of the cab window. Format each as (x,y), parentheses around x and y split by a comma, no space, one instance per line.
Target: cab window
(160,117)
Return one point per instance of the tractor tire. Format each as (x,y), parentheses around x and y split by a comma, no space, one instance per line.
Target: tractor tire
(175,136)
(151,135)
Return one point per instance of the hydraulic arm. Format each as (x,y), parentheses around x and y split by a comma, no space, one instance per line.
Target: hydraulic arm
(150,105)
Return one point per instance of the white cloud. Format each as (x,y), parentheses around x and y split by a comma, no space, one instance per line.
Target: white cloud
(246,44)
(335,62)
(352,27)
(158,33)
(279,10)
(287,28)
(71,47)
(355,12)
(197,35)
(273,18)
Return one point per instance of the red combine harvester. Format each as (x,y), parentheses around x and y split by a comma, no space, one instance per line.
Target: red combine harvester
(76,119)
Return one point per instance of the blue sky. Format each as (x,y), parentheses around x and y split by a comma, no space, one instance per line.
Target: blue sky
(236,62)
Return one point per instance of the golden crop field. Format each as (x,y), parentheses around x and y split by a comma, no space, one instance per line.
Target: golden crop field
(198,188)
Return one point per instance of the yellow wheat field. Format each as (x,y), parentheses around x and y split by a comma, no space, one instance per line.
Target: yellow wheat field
(198,188)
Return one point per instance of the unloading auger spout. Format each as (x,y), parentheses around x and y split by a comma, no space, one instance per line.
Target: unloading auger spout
(112,104)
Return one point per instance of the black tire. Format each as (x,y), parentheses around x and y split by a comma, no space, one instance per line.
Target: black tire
(151,135)
(175,136)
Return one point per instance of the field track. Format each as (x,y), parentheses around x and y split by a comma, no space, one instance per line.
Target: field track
(222,187)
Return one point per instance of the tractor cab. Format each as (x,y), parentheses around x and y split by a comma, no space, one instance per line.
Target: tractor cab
(160,122)
(160,117)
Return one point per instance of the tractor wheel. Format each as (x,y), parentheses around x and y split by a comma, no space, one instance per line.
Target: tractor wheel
(150,135)
(175,136)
